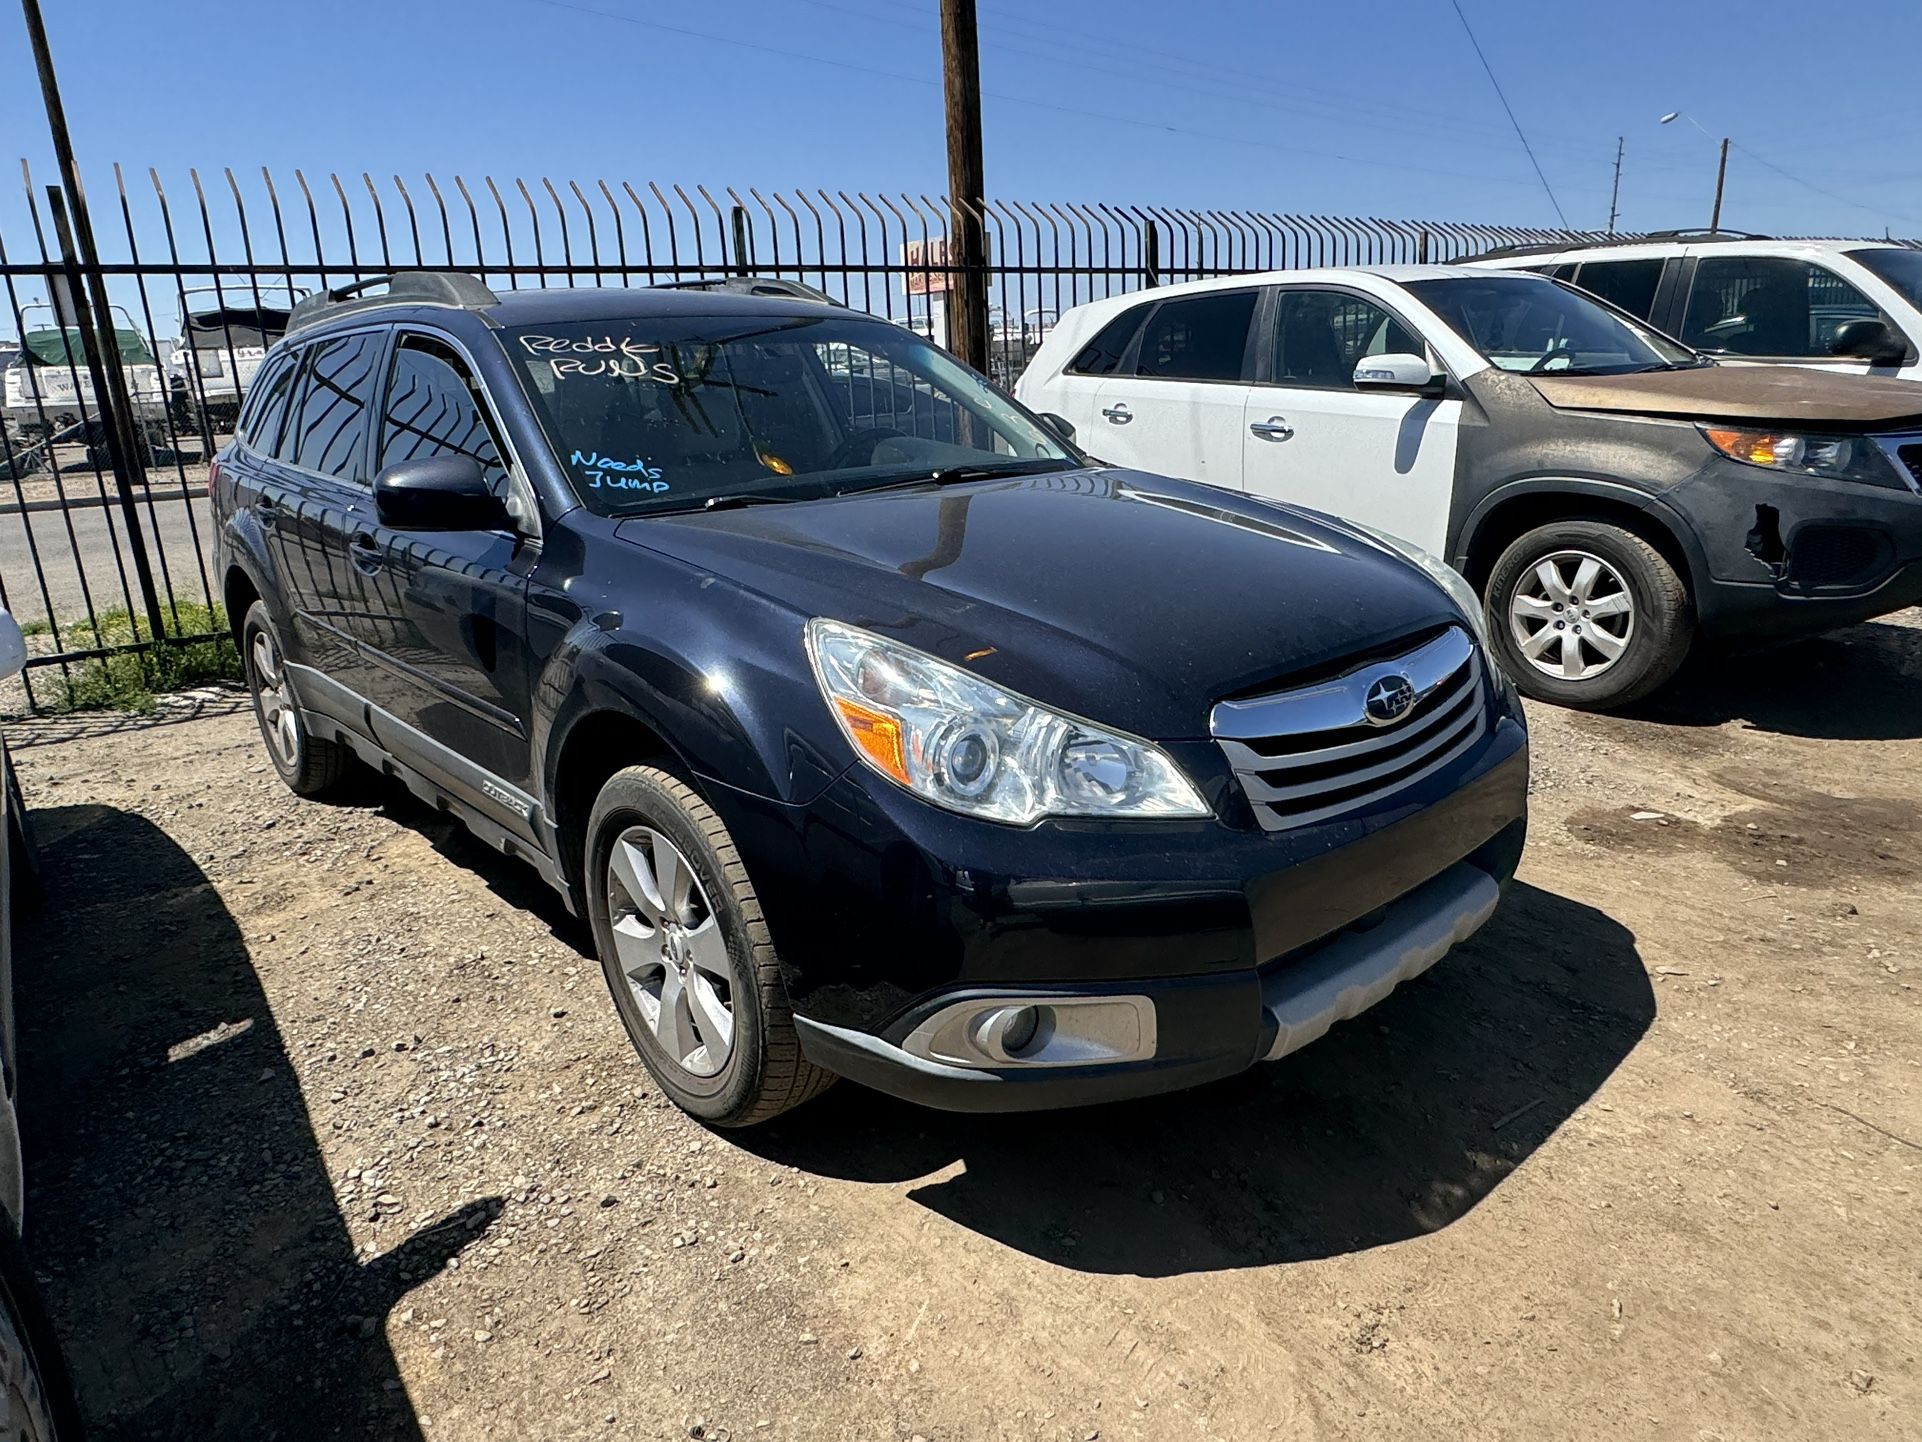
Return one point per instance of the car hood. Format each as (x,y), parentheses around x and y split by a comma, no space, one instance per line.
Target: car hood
(1784,394)
(1129,599)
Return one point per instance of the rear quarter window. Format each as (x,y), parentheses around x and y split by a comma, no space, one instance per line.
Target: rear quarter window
(1100,356)
(266,405)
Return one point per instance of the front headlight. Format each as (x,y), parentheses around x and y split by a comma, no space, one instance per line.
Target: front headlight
(1839,458)
(1443,575)
(953,739)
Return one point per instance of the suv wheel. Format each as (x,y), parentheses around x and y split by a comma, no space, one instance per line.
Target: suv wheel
(309,765)
(687,954)
(1587,615)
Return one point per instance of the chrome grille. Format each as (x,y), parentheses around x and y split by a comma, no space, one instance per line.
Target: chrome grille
(1314,753)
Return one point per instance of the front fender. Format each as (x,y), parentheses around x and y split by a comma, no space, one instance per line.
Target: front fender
(1654,506)
(724,684)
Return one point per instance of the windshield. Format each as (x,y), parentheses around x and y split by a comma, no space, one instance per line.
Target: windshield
(1900,268)
(1521,323)
(656,414)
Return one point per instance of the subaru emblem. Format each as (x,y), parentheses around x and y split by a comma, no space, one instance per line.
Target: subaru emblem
(1388,700)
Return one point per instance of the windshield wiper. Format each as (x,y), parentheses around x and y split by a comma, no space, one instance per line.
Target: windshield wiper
(736,500)
(1659,366)
(951,475)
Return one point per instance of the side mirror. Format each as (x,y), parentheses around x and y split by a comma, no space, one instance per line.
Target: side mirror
(438,493)
(1871,340)
(1398,371)
(1060,425)
(13,648)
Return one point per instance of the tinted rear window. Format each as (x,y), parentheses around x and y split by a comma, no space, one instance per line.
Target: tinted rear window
(1200,338)
(330,432)
(1627,283)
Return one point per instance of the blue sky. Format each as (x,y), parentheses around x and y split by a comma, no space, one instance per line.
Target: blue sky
(1379,109)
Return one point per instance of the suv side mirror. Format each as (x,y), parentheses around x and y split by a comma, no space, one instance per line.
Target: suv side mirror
(1869,339)
(1398,371)
(1060,425)
(13,647)
(438,493)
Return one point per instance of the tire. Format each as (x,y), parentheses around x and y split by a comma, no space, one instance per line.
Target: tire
(36,1396)
(677,971)
(309,765)
(1648,626)
(24,892)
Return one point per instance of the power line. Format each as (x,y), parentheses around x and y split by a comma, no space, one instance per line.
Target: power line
(1294,98)
(1466,27)
(1029,101)
(1830,194)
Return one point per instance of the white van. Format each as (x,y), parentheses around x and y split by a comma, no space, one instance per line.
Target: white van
(1850,305)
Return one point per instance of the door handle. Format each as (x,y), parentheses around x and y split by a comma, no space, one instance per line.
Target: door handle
(366,551)
(1118,415)
(265,511)
(1272,429)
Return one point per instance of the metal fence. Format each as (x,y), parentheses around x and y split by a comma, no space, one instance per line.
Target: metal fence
(101,559)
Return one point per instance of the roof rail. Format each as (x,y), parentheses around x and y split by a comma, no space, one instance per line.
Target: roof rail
(1503,252)
(1722,234)
(426,287)
(753,285)
(1555,247)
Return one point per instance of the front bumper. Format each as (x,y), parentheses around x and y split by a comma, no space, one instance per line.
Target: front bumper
(1784,556)
(1206,1028)
(885,911)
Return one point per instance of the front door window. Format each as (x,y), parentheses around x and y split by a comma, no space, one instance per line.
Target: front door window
(1768,305)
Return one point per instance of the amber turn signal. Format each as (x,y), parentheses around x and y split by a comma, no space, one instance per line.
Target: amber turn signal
(877,734)
(1756,447)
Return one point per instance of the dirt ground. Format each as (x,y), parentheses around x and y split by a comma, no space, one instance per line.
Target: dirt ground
(332,1132)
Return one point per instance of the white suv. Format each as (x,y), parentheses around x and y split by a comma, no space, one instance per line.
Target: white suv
(1609,493)
(1845,304)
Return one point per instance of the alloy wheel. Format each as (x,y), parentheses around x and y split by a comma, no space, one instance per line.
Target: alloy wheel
(275,698)
(1572,616)
(668,941)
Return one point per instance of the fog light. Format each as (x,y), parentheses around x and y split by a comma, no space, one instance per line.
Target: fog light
(1036,1030)
(1009,1031)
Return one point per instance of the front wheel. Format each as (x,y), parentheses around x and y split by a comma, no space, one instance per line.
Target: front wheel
(687,954)
(1587,615)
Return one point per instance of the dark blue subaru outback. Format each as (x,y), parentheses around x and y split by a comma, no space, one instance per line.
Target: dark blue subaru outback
(876,730)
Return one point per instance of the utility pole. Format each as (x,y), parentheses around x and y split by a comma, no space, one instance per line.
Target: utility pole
(967,244)
(1615,195)
(101,345)
(1721,174)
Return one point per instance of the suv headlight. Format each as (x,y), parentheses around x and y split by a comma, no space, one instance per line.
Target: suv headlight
(1839,458)
(1443,575)
(955,740)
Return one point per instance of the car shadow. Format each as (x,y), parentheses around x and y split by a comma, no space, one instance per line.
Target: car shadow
(516,883)
(1394,1125)
(179,1208)
(1862,683)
